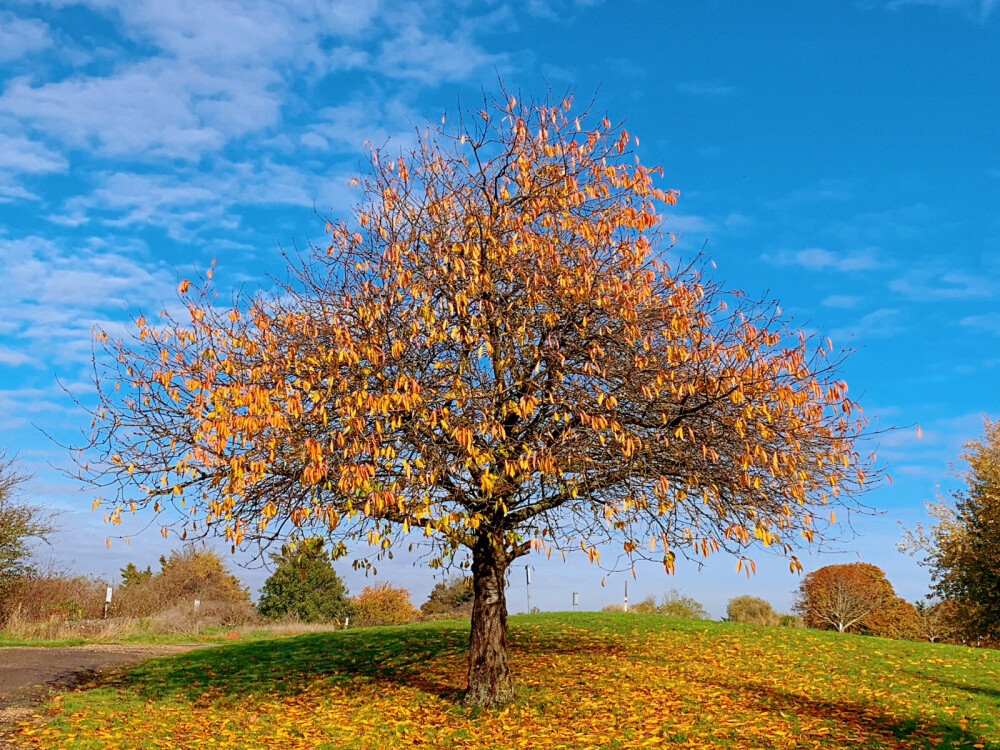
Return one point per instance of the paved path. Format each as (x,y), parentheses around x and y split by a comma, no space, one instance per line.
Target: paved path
(27,675)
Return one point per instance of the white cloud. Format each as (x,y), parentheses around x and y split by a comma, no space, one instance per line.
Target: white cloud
(20,155)
(989,322)
(19,36)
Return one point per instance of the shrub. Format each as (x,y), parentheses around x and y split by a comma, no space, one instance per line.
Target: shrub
(450,598)
(186,575)
(56,597)
(675,604)
(613,607)
(751,610)
(383,604)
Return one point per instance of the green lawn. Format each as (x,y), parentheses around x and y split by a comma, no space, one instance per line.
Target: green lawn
(585,680)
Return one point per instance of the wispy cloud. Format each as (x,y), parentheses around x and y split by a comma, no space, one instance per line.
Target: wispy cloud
(951,285)
(819,259)
(879,324)
(979,10)
(705,88)
(989,322)
(841,301)
(20,36)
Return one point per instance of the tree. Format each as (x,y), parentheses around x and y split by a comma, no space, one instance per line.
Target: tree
(495,355)
(304,584)
(751,610)
(843,597)
(452,598)
(20,524)
(963,548)
(133,576)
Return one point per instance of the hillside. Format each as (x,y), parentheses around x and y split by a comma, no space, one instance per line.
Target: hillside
(585,680)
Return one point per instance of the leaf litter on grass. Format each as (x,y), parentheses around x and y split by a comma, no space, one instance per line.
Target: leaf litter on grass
(585,681)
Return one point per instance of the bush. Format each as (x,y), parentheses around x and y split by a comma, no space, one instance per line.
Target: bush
(304,586)
(189,574)
(34,598)
(450,598)
(751,610)
(675,604)
(383,604)
(613,607)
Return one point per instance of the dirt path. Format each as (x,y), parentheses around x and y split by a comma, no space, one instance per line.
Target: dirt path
(28,675)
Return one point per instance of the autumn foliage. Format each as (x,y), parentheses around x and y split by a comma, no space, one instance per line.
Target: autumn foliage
(494,355)
(847,597)
(383,604)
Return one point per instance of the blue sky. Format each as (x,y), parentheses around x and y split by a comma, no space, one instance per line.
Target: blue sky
(841,157)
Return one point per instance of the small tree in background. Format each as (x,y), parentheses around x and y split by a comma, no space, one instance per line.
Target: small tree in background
(843,597)
(20,525)
(675,604)
(751,610)
(939,622)
(450,598)
(383,604)
(304,585)
(133,576)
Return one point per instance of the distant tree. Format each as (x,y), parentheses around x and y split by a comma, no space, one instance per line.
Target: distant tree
(452,598)
(675,604)
(498,353)
(645,606)
(963,548)
(613,607)
(20,524)
(383,604)
(751,610)
(843,597)
(939,622)
(133,576)
(304,585)
(897,618)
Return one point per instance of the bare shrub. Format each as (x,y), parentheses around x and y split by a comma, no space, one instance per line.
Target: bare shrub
(54,597)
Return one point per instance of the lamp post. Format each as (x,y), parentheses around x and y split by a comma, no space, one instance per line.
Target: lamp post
(527,586)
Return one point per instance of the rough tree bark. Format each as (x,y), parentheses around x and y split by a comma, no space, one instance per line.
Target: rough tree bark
(490,682)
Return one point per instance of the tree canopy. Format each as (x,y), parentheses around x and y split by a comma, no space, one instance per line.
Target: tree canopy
(20,523)
(304,585)
(498,353)
(844,597)
(963,548)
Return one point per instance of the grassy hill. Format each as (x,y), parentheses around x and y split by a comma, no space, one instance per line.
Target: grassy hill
(585,680)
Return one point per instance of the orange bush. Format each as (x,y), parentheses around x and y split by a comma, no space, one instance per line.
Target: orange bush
(383,604)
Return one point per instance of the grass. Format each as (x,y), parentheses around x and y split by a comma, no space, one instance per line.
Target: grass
(585,680)
(143,635)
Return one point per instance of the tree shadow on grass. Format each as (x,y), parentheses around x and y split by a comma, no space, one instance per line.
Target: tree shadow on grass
(287,666)
(866,723)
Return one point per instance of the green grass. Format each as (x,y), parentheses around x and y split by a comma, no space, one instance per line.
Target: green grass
(584,680)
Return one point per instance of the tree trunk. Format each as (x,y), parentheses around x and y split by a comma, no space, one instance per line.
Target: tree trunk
(490,681)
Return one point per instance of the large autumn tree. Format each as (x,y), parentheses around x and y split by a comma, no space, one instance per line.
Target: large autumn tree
(851,596)
(963,548)
(495,354)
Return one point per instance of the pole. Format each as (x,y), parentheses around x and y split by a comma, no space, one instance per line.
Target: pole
(527,585)
(107,603)
(626,595)
(576,599)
